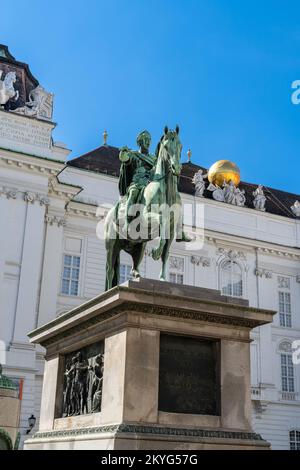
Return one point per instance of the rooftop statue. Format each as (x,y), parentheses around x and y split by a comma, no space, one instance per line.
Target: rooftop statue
(7,90)
(229,193)
(296,209)
(198,181)
(40,104)
(260,199)
(149,207)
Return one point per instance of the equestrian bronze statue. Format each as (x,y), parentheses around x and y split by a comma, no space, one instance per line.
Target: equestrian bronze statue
(149,208)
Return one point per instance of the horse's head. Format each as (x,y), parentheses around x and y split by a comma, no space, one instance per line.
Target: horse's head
(10,79)
(171,144)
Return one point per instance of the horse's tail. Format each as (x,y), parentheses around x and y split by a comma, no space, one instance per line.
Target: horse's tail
(115,281)
(112,248)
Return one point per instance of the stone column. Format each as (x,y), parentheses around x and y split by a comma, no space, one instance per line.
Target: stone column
(51,268)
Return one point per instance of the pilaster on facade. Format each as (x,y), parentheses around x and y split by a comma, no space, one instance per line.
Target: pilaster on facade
(29,273)
(51,268)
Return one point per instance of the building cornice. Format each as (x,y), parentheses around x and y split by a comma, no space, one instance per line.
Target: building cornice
(191,198)
(30,163)
(81,209)
(63,190)
(244,243)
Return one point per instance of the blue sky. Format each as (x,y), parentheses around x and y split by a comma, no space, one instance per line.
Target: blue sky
(221,69)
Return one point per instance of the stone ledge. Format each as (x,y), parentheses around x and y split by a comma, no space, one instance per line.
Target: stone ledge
(157,298)
(156,430)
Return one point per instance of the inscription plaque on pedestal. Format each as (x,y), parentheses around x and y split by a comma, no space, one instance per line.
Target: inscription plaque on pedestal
(189,372)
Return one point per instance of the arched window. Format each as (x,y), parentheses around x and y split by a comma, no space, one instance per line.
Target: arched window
(231,279)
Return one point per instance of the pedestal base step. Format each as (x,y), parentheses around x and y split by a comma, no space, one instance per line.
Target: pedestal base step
(140,437)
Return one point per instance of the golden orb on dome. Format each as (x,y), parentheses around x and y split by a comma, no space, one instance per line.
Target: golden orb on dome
(224,171)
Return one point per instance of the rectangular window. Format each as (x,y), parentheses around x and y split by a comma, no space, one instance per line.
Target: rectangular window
(294,440)
(176,270)
(285,309)
(70,275)
(287,373)
(176,278)
(125,275)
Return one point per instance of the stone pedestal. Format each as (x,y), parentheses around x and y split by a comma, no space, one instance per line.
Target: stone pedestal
(176,370)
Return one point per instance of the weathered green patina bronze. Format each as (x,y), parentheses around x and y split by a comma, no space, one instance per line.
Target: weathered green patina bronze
(149,207)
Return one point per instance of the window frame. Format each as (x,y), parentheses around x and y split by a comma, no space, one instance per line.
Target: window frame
(285,302)
(286,364)
(295,440)
(231,262)
(177,276)
(128,276)
(70,279)
(178,272)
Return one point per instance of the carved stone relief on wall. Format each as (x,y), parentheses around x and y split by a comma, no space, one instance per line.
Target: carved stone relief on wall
(83,380)
(284,282)
(177,263)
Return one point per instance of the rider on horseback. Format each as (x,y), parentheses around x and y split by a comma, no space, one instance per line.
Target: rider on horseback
(136,172)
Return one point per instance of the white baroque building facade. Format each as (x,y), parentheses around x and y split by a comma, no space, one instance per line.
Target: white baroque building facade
(51,258)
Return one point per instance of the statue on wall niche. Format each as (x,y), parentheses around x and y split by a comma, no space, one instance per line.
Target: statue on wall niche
(7,90)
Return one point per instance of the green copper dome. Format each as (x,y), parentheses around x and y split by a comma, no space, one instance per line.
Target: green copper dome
(5,382)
